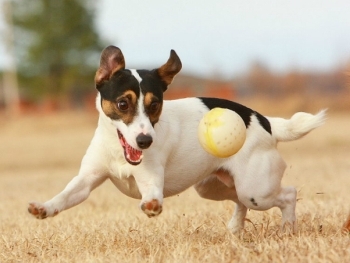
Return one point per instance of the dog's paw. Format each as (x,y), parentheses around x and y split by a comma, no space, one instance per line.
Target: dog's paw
(235,227)
(40,211)
(152,208)
(289,227)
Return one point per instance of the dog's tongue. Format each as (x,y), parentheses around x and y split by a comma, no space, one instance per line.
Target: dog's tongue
(132,154)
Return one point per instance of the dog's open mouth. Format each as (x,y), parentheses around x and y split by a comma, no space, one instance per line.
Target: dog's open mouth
(132,155)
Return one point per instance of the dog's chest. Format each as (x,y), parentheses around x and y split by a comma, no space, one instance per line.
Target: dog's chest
(120,173)
(127,185)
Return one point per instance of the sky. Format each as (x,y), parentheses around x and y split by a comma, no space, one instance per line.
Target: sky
(226,36)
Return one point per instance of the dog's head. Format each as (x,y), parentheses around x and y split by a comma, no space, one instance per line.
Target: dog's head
(132,99)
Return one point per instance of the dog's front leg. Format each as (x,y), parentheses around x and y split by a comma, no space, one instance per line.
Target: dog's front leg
(77,190)
(151,184)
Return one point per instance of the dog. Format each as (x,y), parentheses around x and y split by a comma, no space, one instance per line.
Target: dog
(148,147)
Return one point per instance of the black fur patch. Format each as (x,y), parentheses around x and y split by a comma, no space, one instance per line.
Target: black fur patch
(253,201)
(118,84)
(241,110)
(151,82)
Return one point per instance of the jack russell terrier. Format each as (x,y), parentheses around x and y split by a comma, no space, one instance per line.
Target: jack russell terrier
(149,148)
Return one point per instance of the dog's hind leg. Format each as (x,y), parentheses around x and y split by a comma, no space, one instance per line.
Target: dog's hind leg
(220,186)
(236,223)
(258,186)
(286,201)
(77,190)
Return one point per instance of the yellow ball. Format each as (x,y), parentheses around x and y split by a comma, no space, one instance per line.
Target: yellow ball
(221,132)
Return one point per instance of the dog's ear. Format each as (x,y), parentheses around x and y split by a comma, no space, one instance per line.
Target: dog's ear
(168,71)
(111,61)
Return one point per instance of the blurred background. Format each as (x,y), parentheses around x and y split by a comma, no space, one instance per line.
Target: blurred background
(275,56)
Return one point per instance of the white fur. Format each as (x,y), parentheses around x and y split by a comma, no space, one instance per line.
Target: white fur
(299,125)
(136,75)
(176,161)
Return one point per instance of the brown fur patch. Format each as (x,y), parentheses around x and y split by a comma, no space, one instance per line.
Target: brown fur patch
(153,115)
(166,76)
(110,108)
(130,95)
(168,71)
(148,99)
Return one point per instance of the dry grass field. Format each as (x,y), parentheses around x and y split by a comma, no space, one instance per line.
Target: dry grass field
(40,154)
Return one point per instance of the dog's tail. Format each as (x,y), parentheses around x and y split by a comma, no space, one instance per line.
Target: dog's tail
(296,127)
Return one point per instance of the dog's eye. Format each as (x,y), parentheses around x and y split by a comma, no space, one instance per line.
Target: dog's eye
(154,106)
(123,105)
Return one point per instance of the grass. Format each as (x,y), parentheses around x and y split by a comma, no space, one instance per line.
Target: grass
(39,155)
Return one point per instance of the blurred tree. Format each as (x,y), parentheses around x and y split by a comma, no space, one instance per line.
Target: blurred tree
(57,46)
(294,82)
(10,93)
(261,79)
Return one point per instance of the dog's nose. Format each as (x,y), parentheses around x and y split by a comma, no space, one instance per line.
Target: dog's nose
(144,141)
